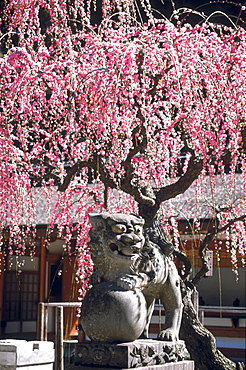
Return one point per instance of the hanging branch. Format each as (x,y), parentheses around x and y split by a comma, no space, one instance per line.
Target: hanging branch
(205,243)
(187,264)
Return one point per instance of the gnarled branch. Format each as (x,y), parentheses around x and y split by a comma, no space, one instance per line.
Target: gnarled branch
(194,169)
(52,172)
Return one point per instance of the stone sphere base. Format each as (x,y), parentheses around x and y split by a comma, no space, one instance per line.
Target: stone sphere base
(112,314)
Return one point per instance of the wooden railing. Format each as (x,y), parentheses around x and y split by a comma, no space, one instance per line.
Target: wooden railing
(42,327)
(222,311)
(43,320)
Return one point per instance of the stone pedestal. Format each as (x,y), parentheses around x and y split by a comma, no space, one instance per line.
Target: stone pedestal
(24,355)
(182,365)
(141,354)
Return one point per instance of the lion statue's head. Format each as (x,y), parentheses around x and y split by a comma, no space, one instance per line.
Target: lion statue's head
(118,235)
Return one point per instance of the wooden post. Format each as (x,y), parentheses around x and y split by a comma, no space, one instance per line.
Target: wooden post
(81,334)
(201,316)
(40,334)
(42,324)
(59,338)
(42,270)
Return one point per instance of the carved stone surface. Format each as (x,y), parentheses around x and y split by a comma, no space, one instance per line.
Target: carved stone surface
(133,267)
(145,352)
(182,365)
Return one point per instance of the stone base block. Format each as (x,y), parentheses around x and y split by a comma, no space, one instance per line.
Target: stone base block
(182,365)
(31,367)
(26,355)
(136,354)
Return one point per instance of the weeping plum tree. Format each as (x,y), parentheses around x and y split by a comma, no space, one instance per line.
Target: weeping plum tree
(97,116)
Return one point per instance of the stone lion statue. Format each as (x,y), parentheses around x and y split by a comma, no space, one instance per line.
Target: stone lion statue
(135,260)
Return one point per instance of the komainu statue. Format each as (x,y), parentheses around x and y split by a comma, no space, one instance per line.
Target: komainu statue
(133,268)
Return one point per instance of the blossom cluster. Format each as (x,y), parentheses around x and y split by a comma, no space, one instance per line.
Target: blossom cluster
(69,96)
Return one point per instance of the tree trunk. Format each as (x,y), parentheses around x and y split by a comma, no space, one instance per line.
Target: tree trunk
(200,343)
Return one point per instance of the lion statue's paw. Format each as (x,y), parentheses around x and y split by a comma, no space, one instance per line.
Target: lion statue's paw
(167,335)
(128,282)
